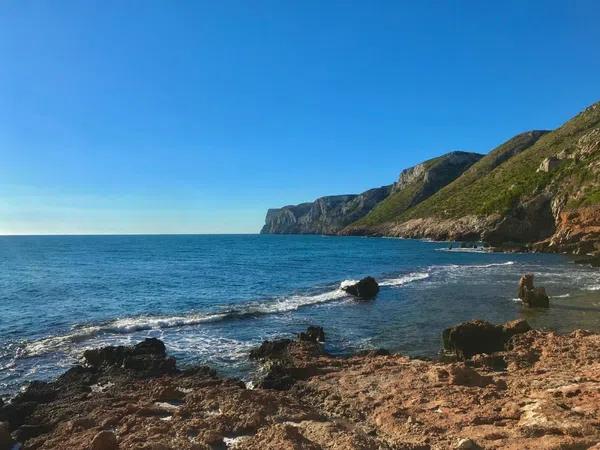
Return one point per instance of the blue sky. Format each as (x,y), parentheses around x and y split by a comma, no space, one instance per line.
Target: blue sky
(185,117)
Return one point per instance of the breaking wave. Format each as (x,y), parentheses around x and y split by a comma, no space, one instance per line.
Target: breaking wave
(405,279)
(130,325)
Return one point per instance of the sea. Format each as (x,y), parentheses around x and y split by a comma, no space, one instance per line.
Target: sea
(211,298)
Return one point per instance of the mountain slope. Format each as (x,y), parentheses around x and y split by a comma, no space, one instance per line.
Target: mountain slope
(522,199)
(415,185)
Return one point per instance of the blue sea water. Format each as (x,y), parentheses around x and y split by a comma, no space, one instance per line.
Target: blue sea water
(213,297)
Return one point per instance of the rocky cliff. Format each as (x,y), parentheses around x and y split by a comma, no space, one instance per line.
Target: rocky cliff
(326,215)
(539,190)
(544,196)
(413,186)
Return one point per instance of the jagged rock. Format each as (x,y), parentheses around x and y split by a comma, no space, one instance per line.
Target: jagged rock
(366,288)
(478,336)
(148,358)
(26,432)
(550,401)
(529,221)
(270,349)
(313,334)
(105,440)
(278,376)
(530,295)
(514,327)
(38,392)
(549,164)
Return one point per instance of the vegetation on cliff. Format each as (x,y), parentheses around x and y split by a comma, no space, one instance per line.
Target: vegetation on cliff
(418,183)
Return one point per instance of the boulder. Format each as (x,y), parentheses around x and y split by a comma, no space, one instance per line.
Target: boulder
(530,295)
(146,358)
(312,334)
(477,336)
(514,327)
(270,349)
(104,440)
(366,288)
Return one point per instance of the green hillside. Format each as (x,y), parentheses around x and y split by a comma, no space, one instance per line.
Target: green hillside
(486,189)
(418,183)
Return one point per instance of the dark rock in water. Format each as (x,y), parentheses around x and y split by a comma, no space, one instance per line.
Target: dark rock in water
(38,392)
(312,334)
(148,358)
(366,288)
(532,296)
(477,336)
(17,412)
(593,260)
(270,349)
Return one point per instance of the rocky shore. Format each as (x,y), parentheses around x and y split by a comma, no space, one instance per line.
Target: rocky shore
(497,387)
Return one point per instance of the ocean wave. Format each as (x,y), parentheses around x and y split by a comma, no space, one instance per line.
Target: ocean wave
(404,279)
(593,287)
(473,266)
(129,325)
(560,296)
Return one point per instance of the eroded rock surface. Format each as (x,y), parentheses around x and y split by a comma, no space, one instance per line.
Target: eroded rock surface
(546,396)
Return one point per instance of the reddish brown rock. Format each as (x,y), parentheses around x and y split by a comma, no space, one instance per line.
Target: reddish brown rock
(547,398)
(104,440)
(530,295)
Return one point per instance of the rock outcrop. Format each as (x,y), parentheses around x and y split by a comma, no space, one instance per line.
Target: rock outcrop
(538,191)
(326,215)
(365,289)
(478,336)
(546,397)
(530,295)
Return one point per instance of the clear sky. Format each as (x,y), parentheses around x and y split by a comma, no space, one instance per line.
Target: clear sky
(190,116)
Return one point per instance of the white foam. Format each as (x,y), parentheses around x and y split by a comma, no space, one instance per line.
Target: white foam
(465,250)
(561,296)
(404,279)
(129,325)
(593,287)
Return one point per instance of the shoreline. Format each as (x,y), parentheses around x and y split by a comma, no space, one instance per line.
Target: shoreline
(539,389)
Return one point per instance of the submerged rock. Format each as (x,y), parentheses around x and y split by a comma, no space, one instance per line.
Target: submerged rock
(532,296)
(477,336)
(366,288)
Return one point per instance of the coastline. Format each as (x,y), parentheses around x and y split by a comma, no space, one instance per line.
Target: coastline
(542,390)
